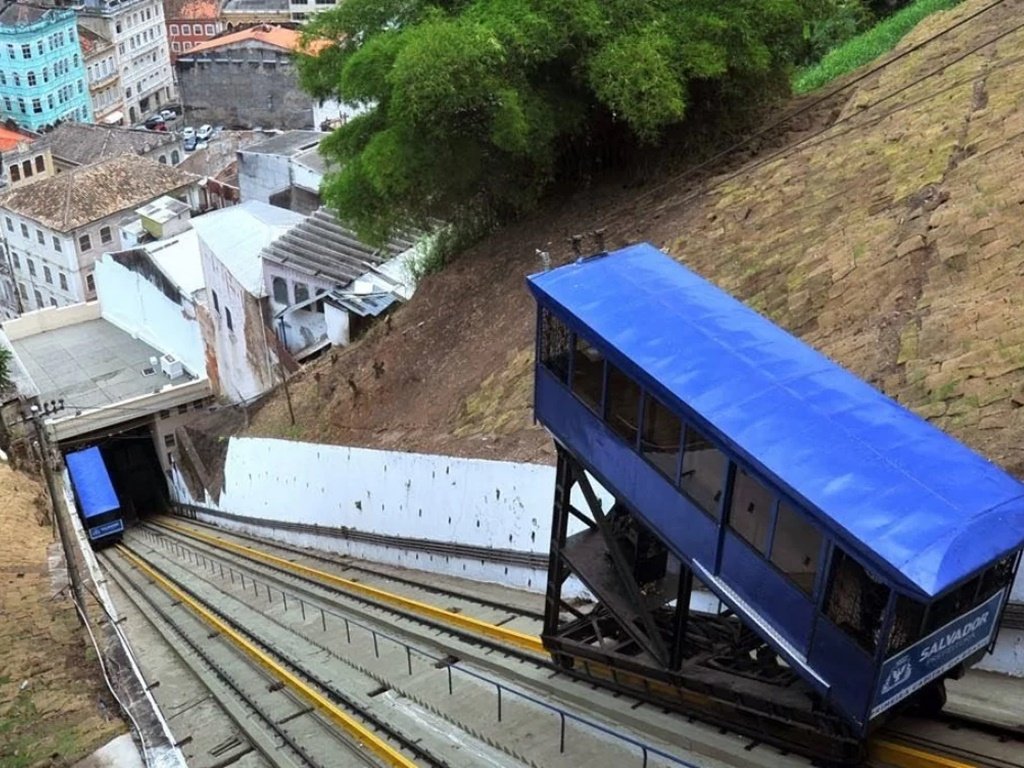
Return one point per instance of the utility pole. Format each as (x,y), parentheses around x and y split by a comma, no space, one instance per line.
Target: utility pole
(63,524)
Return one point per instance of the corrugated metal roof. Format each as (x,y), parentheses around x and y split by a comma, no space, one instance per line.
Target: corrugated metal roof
(911,499)
(322,247)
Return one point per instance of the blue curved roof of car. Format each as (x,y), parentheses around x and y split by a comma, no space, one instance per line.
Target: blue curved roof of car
(92,482)
(914,502)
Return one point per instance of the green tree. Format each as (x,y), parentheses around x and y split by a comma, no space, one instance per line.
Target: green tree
(478,105)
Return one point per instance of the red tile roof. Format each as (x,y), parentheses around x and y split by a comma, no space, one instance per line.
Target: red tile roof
(278,37)
(10,139)
(202,10)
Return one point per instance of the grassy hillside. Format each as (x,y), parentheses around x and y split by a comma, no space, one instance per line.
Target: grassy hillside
(892,241)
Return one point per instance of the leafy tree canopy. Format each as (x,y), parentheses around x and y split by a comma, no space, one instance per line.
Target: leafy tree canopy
(478,103)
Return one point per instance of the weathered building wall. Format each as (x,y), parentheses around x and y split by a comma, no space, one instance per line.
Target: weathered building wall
(261,176)
(243,86)
(163,317)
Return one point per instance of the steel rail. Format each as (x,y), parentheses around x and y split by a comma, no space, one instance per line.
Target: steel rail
(511,637)
(327,708)
(881,751)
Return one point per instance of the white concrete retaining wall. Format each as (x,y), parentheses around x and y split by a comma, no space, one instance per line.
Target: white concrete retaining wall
(466,501)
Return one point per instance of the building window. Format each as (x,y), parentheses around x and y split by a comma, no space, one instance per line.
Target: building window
(84,243)
(24,226)
(17,79)
(209,29)
(176,47)
(216,303)
(10,224)
(23,291)
(47,275)
(227,319)
(10,51)
(301,292)
(175,157)
(183,408)
(15,260)
(622,406)
(39,299)
(7,104)
(63,281)
(165,414)
(174,29)
(53,302)
(90,283)
(40,237)
(37,106)
(26,168)
(703,471)
(40,48)
(15,173)
(26,53)
(56,244)
(105,236)
(46,74)
(163,159)
(31,77)
(169,440)
(280,289)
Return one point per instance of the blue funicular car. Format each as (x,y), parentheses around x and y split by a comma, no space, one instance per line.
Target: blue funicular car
(859,554)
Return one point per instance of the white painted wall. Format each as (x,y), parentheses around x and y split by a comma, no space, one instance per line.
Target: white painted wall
(337,325)
(470,501)
(240,376)
(140,309)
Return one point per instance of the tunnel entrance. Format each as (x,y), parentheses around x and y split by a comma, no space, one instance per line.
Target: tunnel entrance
(134,469)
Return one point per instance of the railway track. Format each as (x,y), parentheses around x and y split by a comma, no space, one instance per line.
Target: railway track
(385,655)
(275,717)
(486,628)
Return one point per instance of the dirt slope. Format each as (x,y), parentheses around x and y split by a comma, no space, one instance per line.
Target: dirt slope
(892,242)
(54,709)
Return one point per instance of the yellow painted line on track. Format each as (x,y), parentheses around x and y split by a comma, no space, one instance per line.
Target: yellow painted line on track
(337,716)
(903,756)
(468,623)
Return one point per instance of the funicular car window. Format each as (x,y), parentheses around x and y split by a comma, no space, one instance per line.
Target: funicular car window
(855,601)
(956,603)
(660,439)
(703,471)
(588,373)
(622,407)
(750,509)
(796,547)
(554,346)
(906,627)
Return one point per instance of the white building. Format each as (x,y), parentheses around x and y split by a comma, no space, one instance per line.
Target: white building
(55,229)
(103,77)
(136,29)
(247,359)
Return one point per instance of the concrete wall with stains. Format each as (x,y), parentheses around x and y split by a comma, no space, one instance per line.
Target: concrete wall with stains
(494,504)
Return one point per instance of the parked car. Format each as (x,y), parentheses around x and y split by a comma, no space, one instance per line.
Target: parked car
(155,123)
(168,114)
(190,142)
(188,132)
(204,132)
(201,145)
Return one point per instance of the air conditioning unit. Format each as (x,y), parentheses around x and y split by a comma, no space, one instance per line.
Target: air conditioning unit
(171,366)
